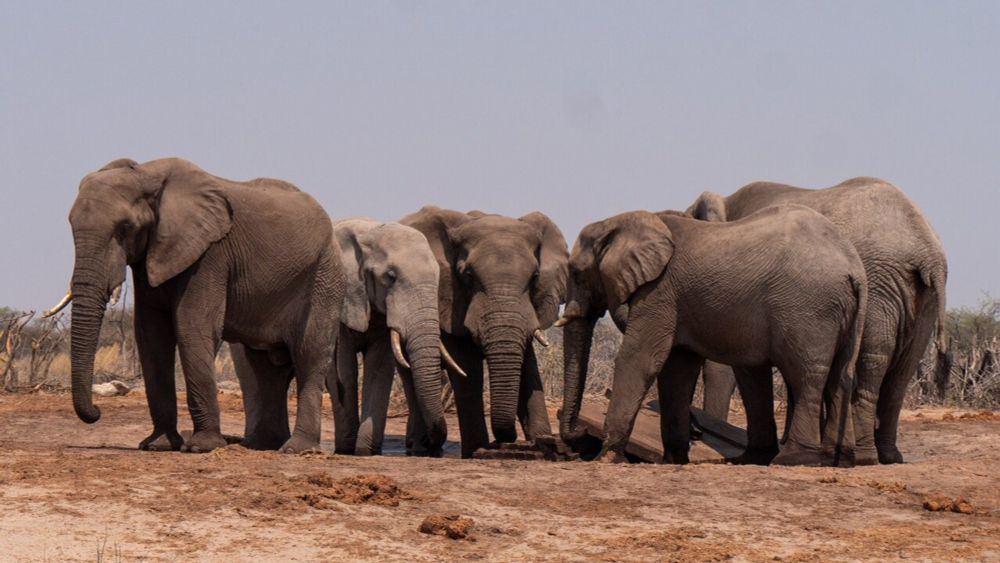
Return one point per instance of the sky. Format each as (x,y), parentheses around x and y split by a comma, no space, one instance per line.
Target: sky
(577,109)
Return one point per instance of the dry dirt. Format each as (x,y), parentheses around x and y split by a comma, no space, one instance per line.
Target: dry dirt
(70,491)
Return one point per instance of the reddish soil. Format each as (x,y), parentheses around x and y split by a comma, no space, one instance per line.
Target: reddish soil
(70,491)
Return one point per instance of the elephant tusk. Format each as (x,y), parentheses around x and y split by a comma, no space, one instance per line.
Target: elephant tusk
(540,337)
(59,306)
(451,361)
(397,349)
(116,294)
(561,322)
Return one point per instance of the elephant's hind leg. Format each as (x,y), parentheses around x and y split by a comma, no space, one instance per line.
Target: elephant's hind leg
(675,385)
(757,391)
(154,338)
(807,383)
(265,398)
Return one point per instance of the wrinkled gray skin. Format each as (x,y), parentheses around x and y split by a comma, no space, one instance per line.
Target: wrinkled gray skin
(907,272)
(780,288)
(392,284)
(212,260)
(719,383)
(500,280)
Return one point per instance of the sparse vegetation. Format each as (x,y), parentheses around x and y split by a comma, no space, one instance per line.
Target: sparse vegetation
(34,354)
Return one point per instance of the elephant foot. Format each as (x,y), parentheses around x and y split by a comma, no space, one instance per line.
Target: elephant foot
(204,441)
(794,454)
(611,456)
(865,456)
(888,455)
(298,444)
(676,456)
(754,456)
(423,452)
(158,441)
(263,442)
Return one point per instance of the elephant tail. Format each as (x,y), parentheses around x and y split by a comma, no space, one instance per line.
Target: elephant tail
(842,376)
(846,356)
(935,278)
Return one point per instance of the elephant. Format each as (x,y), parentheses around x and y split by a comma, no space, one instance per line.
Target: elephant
(907,273)
(779,288)
(502,281)
(212,260)
(391,303)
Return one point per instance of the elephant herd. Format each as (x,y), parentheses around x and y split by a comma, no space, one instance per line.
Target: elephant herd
(840,289)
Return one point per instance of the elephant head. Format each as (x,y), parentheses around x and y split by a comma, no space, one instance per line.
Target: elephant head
(502,281)
(159,218)
(709,207)
(611,260)
(391,271)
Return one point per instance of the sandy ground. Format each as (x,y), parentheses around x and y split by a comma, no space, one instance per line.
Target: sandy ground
(70,491)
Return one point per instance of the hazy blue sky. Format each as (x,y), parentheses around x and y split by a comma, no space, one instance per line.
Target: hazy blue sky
(576,109)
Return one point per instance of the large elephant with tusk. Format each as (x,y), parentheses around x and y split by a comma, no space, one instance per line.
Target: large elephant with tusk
(212,260)
(390,317)
(501,283)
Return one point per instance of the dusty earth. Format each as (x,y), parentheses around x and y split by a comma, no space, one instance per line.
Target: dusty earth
(70,491)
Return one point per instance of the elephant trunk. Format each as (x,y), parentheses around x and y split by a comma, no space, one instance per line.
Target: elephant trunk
(577,338)
(90,298)
(423,343)
(504,342)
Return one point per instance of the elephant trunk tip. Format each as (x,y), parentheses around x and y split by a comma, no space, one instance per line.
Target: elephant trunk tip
(88,413)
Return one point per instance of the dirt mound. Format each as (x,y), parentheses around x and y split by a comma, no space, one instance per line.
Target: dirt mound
(375,488)
(981,415)
(451,526)
(942,503)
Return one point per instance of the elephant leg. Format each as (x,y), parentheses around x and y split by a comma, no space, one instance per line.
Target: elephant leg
(154,339)
(757,391)
(197,352)
(342,383)
(531,409)
(807,385)
(265,398)
(719,385)
(468,394)
(312,362)
(894,386)
(877,347)
(643,352)
(675,385)
(379,373)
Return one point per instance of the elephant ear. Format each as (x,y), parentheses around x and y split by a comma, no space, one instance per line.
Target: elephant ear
(453,300)
(192,213)
(549,290)
(356,310)
(634,251)
(709,207)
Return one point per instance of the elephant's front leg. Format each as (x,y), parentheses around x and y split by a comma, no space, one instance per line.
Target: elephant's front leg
(197,346)
(675,386)
(468,393)
(531,409)
(379,373)
(154,339)
(342,383)
(643,352)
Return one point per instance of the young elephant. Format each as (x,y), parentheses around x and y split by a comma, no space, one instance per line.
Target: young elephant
(907,272)
(390,306)
(212,260)
(780,288)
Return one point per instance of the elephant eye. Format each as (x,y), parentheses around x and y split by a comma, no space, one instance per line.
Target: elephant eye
(389,277)
(535,274)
